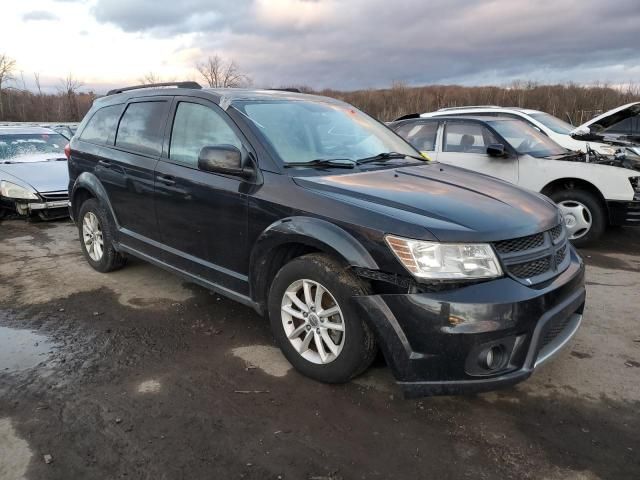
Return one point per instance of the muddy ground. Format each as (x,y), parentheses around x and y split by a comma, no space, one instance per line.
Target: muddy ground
(137,374)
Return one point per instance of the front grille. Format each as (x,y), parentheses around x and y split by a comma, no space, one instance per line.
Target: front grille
(53,196)
(530,269)
(519,244)
(552,330)
(535,258)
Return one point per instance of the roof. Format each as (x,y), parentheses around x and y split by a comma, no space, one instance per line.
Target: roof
(222,96)
(484,108)
(26,130)
(470,116)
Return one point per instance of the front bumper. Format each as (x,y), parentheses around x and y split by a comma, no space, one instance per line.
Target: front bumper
(624,213)
(431,341)
(49,209)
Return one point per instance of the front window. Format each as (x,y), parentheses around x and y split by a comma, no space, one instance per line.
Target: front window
(306,130)
(467,137)
(20,147)
(526,140)
(553,123)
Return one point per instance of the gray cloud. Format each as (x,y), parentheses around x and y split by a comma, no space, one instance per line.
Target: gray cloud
(369,43)
(39,15)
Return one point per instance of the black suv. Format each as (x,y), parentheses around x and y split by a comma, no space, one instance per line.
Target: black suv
(322,218)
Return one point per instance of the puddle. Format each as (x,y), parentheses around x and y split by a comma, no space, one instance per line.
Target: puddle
(22,349)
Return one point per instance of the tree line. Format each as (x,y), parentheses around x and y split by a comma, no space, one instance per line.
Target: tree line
(571,102)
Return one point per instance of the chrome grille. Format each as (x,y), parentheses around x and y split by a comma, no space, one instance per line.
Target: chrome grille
(53,196)
(535,258)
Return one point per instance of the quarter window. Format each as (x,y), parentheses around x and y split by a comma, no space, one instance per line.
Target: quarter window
(467,138)
(141,127)
(196,126)
(101,125)
(420,135)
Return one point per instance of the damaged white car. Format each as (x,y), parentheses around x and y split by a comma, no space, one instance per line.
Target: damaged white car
(592,190)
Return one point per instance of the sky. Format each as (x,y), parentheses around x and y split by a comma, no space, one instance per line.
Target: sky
(341,44)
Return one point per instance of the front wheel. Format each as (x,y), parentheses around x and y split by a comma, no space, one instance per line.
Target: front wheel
(314,322)
(584,215)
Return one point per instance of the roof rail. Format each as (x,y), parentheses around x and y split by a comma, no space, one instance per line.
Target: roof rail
(195,85)
(287,89)
(468,106)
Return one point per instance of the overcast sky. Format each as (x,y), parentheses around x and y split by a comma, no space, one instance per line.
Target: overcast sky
(345,44)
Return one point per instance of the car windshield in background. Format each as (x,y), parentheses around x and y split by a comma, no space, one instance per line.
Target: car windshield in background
(16,147)
(304,131)
(553,123)
(526,139)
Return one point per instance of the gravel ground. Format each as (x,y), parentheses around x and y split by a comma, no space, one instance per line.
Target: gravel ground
(137,374)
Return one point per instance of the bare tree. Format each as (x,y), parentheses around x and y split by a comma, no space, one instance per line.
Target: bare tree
(150,77)
(68,88)
(7,65)
(218,72)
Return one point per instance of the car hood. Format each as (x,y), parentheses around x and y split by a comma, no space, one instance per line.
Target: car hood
(453,204)
(610,118)
(50,176)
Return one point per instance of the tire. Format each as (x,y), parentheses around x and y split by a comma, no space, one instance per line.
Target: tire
(355,344)
(578,208)
(94,216)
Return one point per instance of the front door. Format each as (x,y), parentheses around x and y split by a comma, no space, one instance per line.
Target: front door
(202,216)
(464,144)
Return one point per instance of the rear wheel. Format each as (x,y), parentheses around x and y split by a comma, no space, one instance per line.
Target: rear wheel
(584,215)
(96,240)
(314,323)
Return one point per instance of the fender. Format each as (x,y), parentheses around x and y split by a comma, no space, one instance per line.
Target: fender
(314,232)
(88,181)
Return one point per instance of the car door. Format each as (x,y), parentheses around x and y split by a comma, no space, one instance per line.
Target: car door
(464,144)
(202,216)
(127,170)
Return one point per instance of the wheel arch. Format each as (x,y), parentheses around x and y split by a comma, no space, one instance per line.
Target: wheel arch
(88,186)
(570,183)
(292,237)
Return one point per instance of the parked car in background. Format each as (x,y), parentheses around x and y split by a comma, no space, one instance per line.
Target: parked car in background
(33,172)
(315,214)
(67,130)
(619,127)
(556,129)
(590,192)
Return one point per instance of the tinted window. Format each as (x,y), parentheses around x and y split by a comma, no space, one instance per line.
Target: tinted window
(141,127)
(101,125)
(467,138)
(196,126)
(420,135)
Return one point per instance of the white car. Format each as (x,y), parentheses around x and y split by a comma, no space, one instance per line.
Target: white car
(590,196)
(553,127)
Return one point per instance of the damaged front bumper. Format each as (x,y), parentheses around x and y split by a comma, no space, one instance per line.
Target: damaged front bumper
(45,209)
(438,343)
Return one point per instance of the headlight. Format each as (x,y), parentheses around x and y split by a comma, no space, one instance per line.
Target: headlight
(445,261)
(11,190)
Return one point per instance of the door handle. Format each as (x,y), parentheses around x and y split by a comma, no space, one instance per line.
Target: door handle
(104,163)
(167,179)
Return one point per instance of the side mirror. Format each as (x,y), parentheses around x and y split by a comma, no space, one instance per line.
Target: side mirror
(496,150)
(580,131)
(225,159)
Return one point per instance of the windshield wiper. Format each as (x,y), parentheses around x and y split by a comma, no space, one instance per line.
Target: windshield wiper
(384,156)
(324,162)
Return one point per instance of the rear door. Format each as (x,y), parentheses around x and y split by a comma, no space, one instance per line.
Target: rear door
(422,135)
(464,144)
(202,216)
(128,172)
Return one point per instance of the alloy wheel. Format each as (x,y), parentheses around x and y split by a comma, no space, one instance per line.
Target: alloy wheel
(92,236)
(313,321)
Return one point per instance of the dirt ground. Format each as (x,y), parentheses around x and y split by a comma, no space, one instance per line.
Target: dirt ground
(137,374)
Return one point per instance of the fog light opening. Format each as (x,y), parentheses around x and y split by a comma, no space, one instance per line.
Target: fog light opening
(492,358)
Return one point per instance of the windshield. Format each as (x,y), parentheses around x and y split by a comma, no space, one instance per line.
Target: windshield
(16,145)
(303,131)
(553,123)
(527,140)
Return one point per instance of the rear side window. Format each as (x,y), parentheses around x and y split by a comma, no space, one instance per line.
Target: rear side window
(101,125)
(467,138)
(420,135)
(196,126)
(141,127)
